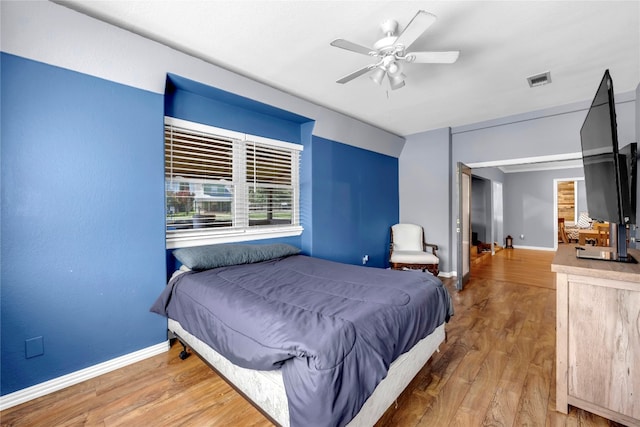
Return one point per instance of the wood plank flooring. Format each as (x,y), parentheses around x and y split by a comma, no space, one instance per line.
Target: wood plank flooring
(497,368)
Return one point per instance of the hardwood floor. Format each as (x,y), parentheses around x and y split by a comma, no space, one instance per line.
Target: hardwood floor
(497,368)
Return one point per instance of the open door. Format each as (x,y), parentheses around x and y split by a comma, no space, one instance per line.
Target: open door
(463,226)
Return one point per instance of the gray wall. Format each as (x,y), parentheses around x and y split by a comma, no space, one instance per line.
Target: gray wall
(582,197)
(529,206)
(492,174)
(538,133)
(424,188)
(481,213)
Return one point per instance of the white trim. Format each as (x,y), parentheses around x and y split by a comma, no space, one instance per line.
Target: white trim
(535,248)
(274,142)
(543,166)
(185,240)
(538,159)
(39,390)
(201,127)
(448,274)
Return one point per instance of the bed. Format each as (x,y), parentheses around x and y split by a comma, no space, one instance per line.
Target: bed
(309,341)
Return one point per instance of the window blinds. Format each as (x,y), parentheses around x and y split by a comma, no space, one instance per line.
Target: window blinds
(219,181)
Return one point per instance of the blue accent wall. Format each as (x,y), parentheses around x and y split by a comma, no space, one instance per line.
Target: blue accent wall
(355,202)
(82,212)
(196,102)
(82,237)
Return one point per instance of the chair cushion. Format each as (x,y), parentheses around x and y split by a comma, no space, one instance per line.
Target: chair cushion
(584,221)
(413,257)
(407,237)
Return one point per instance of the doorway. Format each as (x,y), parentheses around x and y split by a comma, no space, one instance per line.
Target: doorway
(463,226)
(570,199)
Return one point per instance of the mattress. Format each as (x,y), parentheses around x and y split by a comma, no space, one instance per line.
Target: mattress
(265,389)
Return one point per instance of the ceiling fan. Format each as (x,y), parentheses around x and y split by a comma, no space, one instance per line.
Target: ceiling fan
(392,51)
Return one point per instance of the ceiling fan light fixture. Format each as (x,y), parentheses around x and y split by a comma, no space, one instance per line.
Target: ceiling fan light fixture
(394,68)
(396,81)
(378,75)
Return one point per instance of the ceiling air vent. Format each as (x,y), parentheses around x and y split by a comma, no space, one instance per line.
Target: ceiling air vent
(539,79)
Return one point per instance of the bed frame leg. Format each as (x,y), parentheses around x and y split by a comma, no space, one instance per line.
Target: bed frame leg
(184,353)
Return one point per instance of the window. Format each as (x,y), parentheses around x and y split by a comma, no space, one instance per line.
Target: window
(224,186)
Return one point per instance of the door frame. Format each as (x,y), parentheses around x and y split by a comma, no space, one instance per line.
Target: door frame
(463,225)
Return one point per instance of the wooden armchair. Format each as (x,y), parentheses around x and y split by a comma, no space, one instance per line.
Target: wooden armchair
(409,250)
(562,232)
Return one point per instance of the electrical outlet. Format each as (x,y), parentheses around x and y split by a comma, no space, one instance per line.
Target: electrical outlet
(365,259)
(522,237)
(34,347)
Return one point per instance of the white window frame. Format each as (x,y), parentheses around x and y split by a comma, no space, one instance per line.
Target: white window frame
(241,232)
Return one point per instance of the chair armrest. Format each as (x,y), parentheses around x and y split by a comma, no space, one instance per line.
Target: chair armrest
(434,246)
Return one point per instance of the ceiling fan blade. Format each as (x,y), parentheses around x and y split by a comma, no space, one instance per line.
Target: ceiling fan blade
(351,46)
(355,74)
(433,57)
(415,28)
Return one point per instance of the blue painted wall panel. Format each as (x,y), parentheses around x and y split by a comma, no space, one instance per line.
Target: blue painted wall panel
(82,220)
(355,201)
(83,245)
(213,107)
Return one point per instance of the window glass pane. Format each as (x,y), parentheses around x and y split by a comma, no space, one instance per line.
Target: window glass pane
(198,205)
(270,206)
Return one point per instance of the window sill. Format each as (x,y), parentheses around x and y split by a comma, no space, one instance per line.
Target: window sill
(187,239)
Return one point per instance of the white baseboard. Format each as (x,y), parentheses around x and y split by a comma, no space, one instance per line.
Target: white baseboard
(38,390)
(448,274)
(535,248)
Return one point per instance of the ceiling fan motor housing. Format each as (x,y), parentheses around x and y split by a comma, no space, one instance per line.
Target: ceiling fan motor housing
(389,27)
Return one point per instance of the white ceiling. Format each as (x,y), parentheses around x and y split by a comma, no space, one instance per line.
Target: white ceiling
(285,44)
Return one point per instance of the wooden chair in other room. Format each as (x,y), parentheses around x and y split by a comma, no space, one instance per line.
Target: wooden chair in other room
(409,249)
(562,233)
(603,237)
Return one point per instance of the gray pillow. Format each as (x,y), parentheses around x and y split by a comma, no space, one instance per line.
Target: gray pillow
(211,256)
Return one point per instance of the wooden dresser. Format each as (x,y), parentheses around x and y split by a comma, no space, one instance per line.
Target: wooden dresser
(598,336)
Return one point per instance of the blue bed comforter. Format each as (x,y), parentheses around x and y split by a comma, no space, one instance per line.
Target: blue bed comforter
(332,328)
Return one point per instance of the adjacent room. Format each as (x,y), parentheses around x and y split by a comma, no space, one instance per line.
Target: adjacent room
(323,213)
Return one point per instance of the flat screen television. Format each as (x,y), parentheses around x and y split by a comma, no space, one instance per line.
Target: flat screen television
(607,170)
